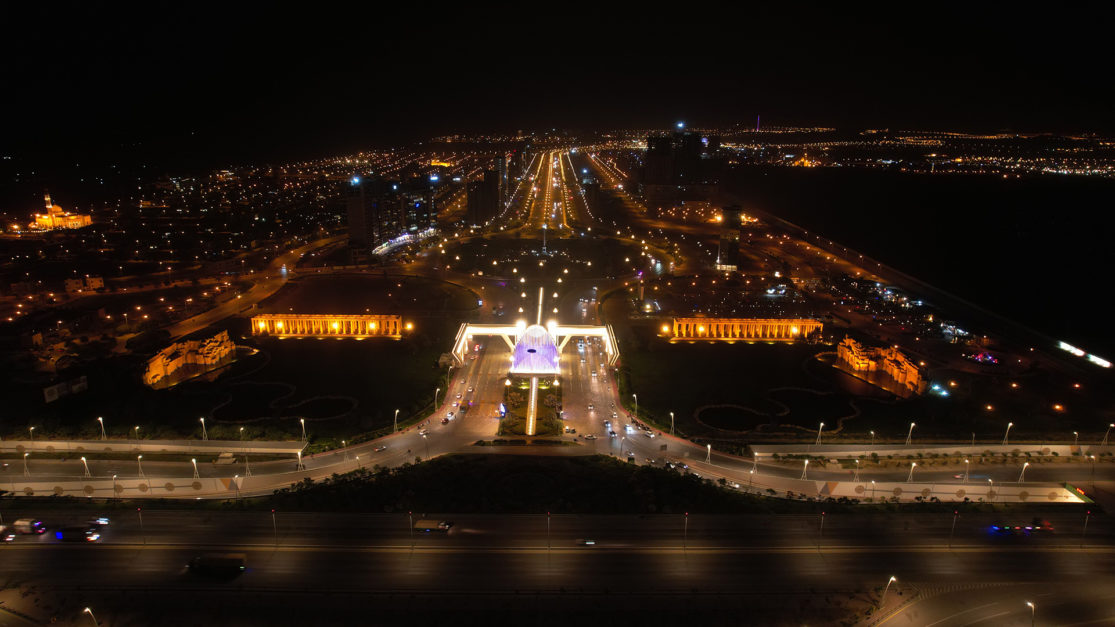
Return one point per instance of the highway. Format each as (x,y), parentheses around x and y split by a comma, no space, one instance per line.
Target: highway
(657,561)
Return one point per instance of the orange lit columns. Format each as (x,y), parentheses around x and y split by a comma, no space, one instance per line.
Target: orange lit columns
(310,325)
(753,329)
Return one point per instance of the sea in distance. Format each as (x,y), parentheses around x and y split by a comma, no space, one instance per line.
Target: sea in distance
(1036,249)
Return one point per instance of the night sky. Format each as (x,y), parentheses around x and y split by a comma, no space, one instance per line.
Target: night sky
(263,82)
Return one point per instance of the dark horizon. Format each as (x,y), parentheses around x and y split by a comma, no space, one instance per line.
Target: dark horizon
(246,85)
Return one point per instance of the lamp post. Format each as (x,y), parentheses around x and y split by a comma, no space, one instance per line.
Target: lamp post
(819,433)
(990,487)
(636,396)
(397,417)
(955,515)
(1109,428)
(137,432)
(1033,611)
(236,483)
(300,466)
(139,462)
(872,490)
(910,435)
(113,487)
(1022,474)
(344,448)
(750,479)
(410,515)
(1007,434)
(101,421)
(86,465)
(26,473)
(90,613)
(671,423)
(685,537)
(872,438)
(708,453)
(967,466)
(302,421)
(884,597)
(804,469)
(31,430)
(427,441)
(1075,439)
(139,510)
(855,477)
(241,434)
(910,478)
(1087,515)
(194,462)
(275,527)
(1093,458)
(204,433)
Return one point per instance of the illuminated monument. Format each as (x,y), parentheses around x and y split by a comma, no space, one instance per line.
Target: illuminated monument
(56,218)
(326,325)
(889,361)
(745,329)
(536,353)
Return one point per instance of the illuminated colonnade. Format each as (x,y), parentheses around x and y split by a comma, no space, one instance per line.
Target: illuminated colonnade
(314,325)
(763,329)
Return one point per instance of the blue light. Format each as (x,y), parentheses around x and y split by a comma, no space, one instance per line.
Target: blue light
(681,124)
(58,534)
(356,180)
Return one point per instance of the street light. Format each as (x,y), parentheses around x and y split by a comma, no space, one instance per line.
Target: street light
(102,423)
(86,465)
(884,597)
(636,406)
(671,423)
(1007,434)
(804,469)
(204,433)
(435,398)
(302,421)
(137,432)
(241,434)
(872,438)
(910,478)
(113,487)
(90,613)
(139,461)
(397,417)
(1075,439)
(194,461)
(1104,443)
(910,435)
(1022,474)
(967,465)
(819,432)
(990,487)
(26,473)
(1033,611)
(31,430)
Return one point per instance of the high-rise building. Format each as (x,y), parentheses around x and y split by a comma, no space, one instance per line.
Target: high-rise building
(728,254)
(373,212)
(483,198)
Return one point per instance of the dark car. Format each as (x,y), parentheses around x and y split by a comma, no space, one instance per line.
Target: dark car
(219,564)
(78,534)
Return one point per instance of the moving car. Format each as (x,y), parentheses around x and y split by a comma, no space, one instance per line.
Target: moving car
(28,526)
(6,534)
(216,564)
(585,542)
(427,526)
(590,437)
(78,534)
(380,449)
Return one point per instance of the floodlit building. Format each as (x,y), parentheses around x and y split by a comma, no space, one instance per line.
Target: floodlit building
(56,218)
(889,361)
(208,354)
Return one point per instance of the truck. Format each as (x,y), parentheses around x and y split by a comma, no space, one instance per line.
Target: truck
(28,526)
(218,564)
(427,526)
